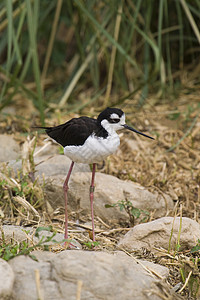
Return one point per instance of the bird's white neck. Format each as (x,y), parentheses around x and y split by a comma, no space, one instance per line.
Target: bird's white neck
(110,128)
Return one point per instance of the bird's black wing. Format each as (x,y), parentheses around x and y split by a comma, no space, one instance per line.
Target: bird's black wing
(74,132)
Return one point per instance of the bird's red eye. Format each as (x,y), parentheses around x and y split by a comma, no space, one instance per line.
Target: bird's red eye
(114,120)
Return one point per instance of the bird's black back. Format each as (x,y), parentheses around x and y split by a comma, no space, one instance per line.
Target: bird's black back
(76,131)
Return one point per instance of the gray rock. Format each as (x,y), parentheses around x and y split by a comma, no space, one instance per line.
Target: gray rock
(58,238)
(92,275)
(6,280)
(134,145)
(9,148)
(56,165)
(25,286)
(108,190)
(157,234)
(47,149)
(155,268)
(15,232)
(18,233)
(53,165)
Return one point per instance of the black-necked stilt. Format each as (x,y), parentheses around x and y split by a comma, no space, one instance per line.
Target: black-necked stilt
(88,140)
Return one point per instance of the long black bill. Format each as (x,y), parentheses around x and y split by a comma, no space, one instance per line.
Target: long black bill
(132,129)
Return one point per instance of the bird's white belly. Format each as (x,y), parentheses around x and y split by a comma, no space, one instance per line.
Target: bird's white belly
(94,149)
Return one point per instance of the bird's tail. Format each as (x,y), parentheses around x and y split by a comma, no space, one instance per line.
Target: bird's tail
(53,132)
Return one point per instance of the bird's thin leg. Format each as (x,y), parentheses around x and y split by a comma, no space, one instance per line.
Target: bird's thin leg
(65,188)
(91,200)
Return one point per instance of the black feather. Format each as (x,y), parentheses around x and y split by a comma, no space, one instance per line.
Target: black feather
(75,132)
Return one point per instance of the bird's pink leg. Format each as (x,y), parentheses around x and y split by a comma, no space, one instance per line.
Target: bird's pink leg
(65,188)
(91,200)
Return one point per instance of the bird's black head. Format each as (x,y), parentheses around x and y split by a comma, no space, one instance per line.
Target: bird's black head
(114,119)
(112,115)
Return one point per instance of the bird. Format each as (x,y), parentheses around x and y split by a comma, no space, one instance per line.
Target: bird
(89,141)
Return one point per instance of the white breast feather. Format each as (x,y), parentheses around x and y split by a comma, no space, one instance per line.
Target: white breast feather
(94,149)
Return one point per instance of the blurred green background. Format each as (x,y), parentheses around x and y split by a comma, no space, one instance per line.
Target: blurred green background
(51,52)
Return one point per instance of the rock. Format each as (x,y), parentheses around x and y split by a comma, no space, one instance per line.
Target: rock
(19,235)
(51,166)
(134,145)
(58,238)
(6,280)
(56,165)
(155,268)
(11,110)
(108,190)
(48,148)
(92,275)
(25,286)
(157,234)
(16,232)
(9,148)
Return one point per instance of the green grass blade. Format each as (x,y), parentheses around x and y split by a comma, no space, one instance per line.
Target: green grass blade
(80,69)
(133,22)
(161,62)
(153,46)
(9,33)
(168,49)
(146,57)
(191,19)
(8,5)
(105,33)
(32,16)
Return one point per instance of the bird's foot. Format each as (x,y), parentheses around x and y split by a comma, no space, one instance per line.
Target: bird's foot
(72,244)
